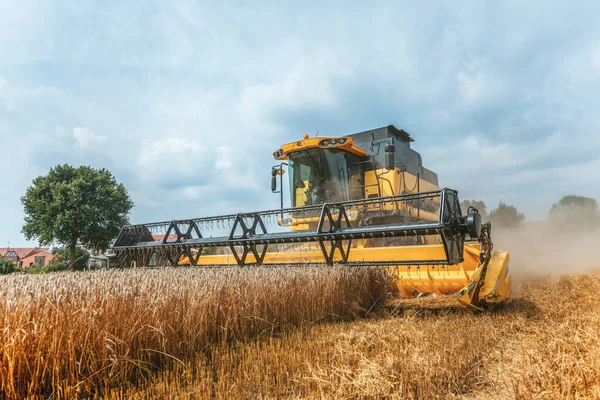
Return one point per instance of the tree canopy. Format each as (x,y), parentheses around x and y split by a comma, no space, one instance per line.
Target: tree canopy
(72,206)
(570,205)
(6,266)
(506,216)
(61,256)
(576,210)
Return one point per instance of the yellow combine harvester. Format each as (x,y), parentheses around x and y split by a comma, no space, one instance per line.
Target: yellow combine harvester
(362,200)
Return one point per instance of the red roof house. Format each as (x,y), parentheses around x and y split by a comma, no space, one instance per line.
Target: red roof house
(26,257)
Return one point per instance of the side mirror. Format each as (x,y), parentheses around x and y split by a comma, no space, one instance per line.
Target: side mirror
(390,156)
(273,180)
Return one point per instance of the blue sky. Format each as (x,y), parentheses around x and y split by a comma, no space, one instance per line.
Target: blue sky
(185,101)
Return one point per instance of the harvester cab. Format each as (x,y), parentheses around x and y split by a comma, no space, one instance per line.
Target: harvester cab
(363,200)
(364,165)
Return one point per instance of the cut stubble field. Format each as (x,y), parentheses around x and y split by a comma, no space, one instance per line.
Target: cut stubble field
(293,332)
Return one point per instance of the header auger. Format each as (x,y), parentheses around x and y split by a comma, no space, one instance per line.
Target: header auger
(351,204)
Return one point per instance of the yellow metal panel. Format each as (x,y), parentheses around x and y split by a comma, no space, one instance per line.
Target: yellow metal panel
(302,224)
(369,254)
(497,285)
(389,181)
(423,186)
(495,288)
(311,143)
(301,194)
(371,185)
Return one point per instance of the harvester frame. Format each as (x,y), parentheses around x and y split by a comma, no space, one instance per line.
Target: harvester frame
(421,237)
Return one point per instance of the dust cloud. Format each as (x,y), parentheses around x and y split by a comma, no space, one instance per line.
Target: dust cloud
(541,250)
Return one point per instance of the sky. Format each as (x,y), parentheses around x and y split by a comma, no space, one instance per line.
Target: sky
(185,101)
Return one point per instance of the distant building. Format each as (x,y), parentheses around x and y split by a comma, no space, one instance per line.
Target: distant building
(160,238)
(41,258)
(27,257)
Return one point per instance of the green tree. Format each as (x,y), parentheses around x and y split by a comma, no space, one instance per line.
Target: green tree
(6,266)
(72,206)
(574,207)
(478,204)
(62,255)
(506,216)
(576,211)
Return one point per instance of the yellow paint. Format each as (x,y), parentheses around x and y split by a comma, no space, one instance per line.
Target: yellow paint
(305,254)
(301,198)
(371,186)
(495,288)
(391,183)
(295,222)
(423,185)
(312,143)
(497,285)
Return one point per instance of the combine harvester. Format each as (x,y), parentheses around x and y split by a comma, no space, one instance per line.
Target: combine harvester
(361,200)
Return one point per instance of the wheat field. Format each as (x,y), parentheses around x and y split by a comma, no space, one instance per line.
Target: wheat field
(294,332)
(82,334)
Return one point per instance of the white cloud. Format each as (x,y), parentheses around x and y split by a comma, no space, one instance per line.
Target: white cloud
(9,103)
(235,167)
(194,192)
(225,158)
(308,83)
(86,138)
(171,152)
(479,154)
(535,172)
(175,161)
(473,86)
(477,84)
(22,25)
(595,57)
(475,152)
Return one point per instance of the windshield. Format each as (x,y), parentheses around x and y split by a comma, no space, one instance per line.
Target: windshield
(319,176)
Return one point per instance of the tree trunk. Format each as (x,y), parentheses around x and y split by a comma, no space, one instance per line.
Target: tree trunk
(72,255)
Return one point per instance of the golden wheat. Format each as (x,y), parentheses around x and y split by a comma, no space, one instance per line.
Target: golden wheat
(205,333)
(544,345)
(84,333)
